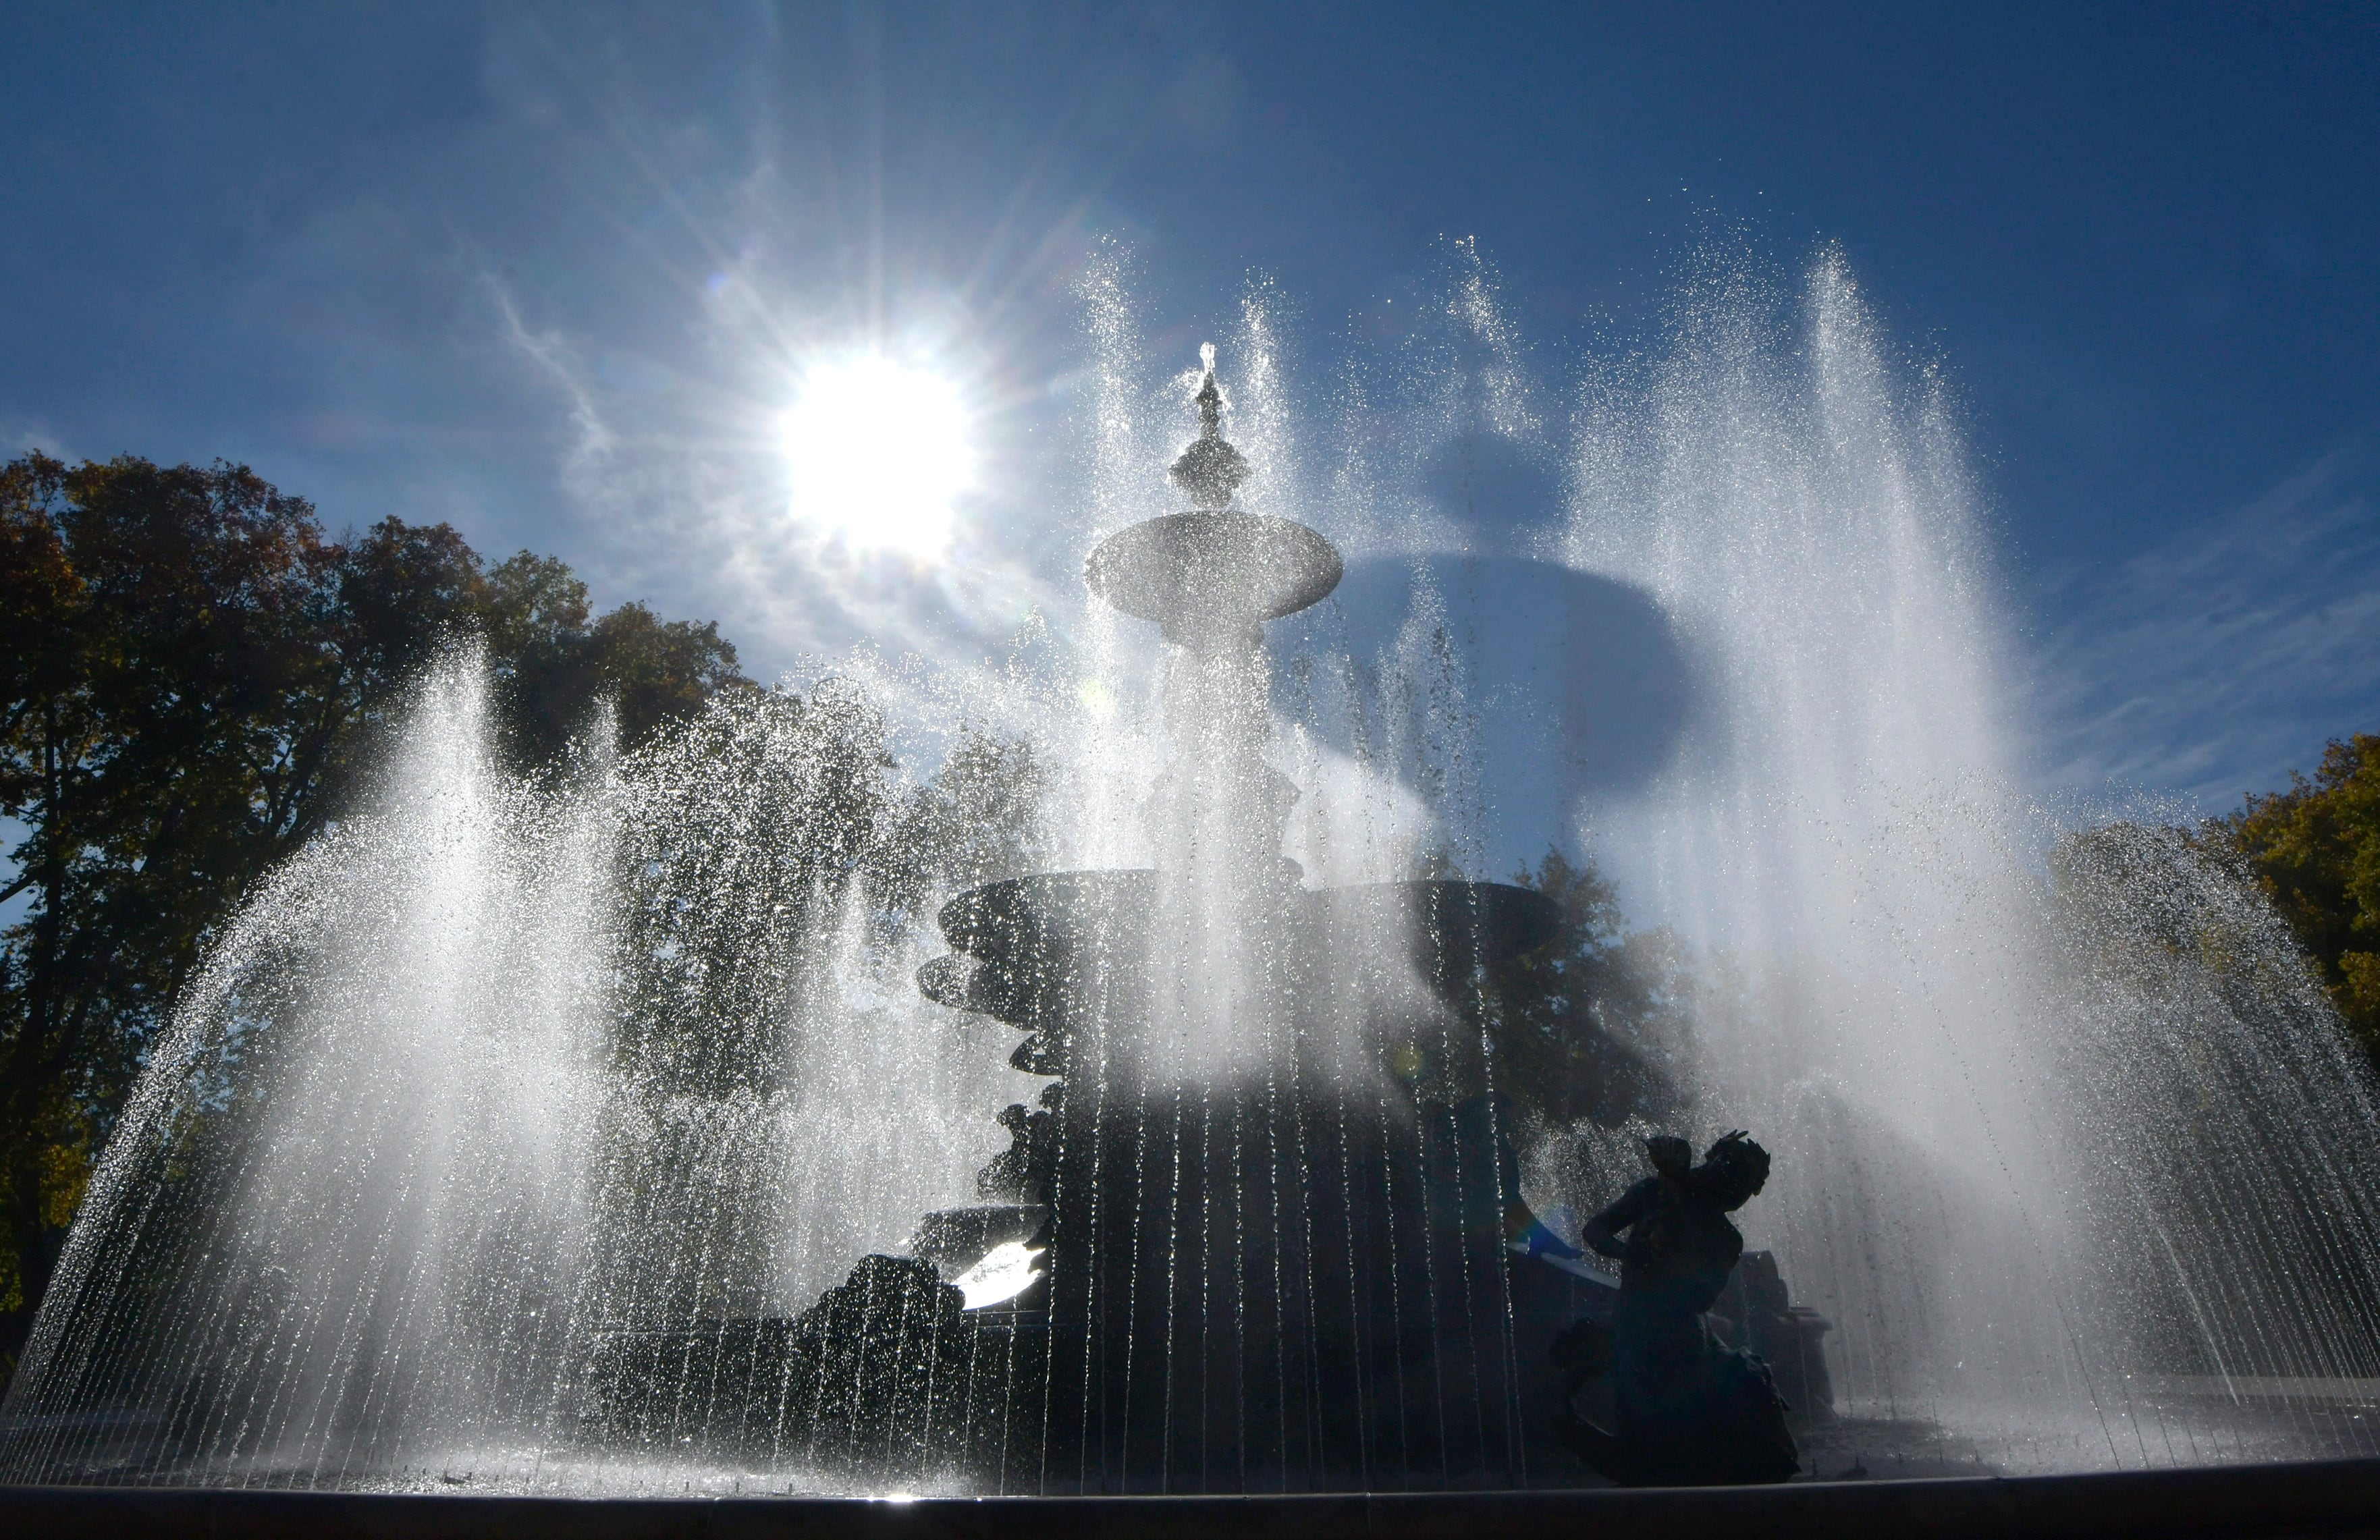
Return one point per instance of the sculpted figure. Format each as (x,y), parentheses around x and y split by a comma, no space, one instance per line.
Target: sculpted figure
(1690,1411)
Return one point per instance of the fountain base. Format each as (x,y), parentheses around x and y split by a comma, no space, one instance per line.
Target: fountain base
(2242,1502)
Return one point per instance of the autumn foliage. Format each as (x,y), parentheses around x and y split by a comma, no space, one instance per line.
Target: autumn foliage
(2316,851)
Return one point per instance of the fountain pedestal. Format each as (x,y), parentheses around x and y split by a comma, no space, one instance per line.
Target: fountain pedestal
(1294,1280)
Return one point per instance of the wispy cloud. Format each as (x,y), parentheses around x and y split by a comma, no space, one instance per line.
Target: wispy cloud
(31,438)
(551,355)
(2219,662)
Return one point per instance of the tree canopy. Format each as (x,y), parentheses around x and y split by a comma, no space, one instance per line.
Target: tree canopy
(2314,849)
(1596,1023)
(192,672)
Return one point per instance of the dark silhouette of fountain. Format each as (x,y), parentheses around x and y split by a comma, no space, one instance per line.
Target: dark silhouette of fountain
(1284,1273)
(1266,1196)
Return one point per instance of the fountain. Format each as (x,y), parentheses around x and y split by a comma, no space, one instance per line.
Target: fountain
(612,1135)
(1253,1237)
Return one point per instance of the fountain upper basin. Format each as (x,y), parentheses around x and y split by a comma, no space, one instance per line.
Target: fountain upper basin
(1211,577)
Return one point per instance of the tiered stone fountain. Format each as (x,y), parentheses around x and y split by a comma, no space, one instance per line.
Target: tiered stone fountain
(1268,1184)
(1253,1231)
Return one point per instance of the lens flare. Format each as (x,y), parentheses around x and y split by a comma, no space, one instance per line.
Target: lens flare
(879,452)
(1006,1271)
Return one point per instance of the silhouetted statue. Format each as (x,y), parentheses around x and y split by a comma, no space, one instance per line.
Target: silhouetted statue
(1690,1410)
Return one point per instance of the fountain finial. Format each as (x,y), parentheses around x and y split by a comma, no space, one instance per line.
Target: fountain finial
(1213,576)
(1210,469)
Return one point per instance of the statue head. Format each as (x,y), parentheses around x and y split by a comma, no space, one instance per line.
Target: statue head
(1671,1157)
(1734,1171)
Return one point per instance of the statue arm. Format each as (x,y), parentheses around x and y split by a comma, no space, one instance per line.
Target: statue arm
(1602,1232)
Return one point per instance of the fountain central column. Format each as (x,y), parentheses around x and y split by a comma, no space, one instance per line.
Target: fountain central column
(1220,907)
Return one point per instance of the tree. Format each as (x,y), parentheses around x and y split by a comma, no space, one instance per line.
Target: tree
(2314,849)
(164,693)
(191,673)
(406,590)
(1592,1024)
(978,818)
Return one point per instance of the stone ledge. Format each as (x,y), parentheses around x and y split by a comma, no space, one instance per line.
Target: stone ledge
(2328,1499)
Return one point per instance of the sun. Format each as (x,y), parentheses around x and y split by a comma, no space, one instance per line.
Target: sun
(878,452)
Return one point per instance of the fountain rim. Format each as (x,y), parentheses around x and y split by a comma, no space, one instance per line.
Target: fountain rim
(1015,915)
(1202,569)
(2273,1498)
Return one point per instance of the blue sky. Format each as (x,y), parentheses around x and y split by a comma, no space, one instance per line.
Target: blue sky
(468,261)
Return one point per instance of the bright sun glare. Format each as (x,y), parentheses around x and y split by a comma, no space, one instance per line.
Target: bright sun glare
(877,452)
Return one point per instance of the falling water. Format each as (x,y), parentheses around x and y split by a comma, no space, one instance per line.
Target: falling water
(341,1218)
(2063,1150)
(495,1070)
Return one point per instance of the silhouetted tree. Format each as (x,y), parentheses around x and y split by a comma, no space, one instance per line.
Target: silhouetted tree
(978,818)
(1594,1024)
